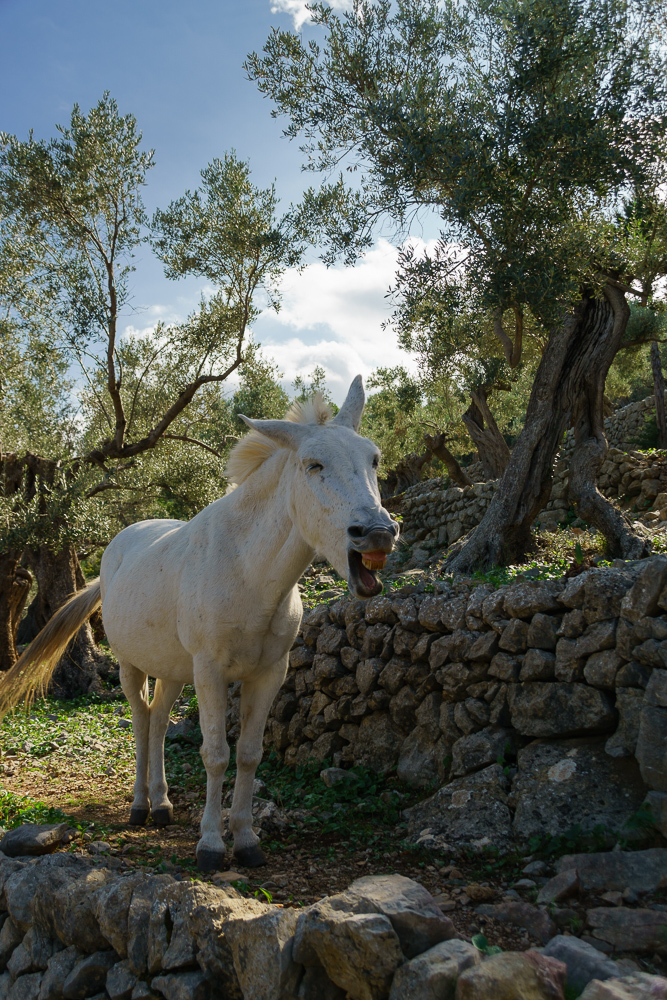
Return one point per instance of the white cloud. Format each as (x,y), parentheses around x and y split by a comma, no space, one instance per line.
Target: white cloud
(333,317)
(298,12)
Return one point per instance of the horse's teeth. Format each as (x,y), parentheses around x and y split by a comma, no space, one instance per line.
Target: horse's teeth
(373,563)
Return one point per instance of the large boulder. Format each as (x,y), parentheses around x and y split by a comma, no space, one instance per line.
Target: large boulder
(640,871)
(573,782)
(434,974)
(513,974)
(471,811)
(637,986)
(30,839)
(583,961)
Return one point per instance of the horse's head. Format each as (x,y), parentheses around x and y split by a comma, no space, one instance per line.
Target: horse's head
(333,496)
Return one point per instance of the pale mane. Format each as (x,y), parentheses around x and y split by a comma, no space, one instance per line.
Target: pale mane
(254,449)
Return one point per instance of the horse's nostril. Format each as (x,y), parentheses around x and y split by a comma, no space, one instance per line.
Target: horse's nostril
(356,531)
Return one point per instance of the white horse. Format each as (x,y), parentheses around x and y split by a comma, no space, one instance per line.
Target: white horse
(215,600)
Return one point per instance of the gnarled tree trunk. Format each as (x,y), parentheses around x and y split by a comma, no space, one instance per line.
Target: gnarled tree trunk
(15,583)
(659,390)
(442,452)
(59,576)
(480,423)
(568,389)
(408,471)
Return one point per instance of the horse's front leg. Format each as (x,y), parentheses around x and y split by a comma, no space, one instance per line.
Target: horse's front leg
(212,698)
(256,700)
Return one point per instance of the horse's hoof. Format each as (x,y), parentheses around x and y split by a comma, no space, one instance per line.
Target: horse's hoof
(138,816)
(162,816)
(209,860)
(250,857)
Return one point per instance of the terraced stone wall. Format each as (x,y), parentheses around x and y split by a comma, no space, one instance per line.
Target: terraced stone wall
(436,515)
(444,685)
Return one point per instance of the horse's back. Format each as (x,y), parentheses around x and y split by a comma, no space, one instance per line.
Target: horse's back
(133,543)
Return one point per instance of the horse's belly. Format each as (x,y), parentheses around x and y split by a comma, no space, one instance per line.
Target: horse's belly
(139,615)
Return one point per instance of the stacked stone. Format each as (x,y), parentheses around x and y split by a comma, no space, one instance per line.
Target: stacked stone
(72,930)
(444,685)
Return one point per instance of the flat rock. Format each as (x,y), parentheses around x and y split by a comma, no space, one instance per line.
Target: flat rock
(472,810)
(525,599)
(434,974)
(335,775)
(74,912)
(25,987)
(31,892)
(642,598)
(10,938)
(629,705)
(57,971)
(182,986)
(520,914)
(137,929)
(550,708)
(478,750)
(651,748)
(560,887)
(641,871)
(120,981)
(513,974)
(638,986)
(89,975)
(31,839)
(583,961)
(261,947)
(628,929)
(359,952)
(111,904)
(414,915)
(378,743)
(564,782)
(423,759)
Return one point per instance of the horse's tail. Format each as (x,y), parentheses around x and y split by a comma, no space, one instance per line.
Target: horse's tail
(33,670)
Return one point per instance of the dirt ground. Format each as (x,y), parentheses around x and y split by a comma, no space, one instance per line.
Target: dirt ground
(78,760)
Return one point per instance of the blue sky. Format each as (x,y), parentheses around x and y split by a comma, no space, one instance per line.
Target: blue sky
(178,68)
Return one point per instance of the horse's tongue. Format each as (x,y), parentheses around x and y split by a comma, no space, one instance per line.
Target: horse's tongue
(367,577)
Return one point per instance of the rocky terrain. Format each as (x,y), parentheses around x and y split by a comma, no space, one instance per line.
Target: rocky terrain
(72,928)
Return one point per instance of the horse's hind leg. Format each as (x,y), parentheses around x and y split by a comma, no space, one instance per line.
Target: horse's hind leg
(211,691)
(135,688)
(256,700)
(166,693)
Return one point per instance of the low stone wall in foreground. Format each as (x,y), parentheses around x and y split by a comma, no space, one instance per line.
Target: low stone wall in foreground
(71,930)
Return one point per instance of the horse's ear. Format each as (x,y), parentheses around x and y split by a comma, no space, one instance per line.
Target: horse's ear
(350,412)
(283,432)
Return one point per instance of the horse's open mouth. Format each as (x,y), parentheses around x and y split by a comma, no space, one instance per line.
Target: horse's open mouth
(363,568)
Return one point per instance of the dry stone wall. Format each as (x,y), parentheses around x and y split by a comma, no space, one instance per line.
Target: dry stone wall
(436,515)
(70,930)
(535,705)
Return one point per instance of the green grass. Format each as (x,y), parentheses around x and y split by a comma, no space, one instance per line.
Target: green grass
(18,809)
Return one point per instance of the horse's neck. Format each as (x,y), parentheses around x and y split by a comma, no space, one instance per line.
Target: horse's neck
(275,542)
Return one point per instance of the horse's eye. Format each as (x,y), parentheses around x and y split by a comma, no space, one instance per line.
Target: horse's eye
(313,467)
(376,461)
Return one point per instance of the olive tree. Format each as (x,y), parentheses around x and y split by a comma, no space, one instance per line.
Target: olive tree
(522,124)
(72,218)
